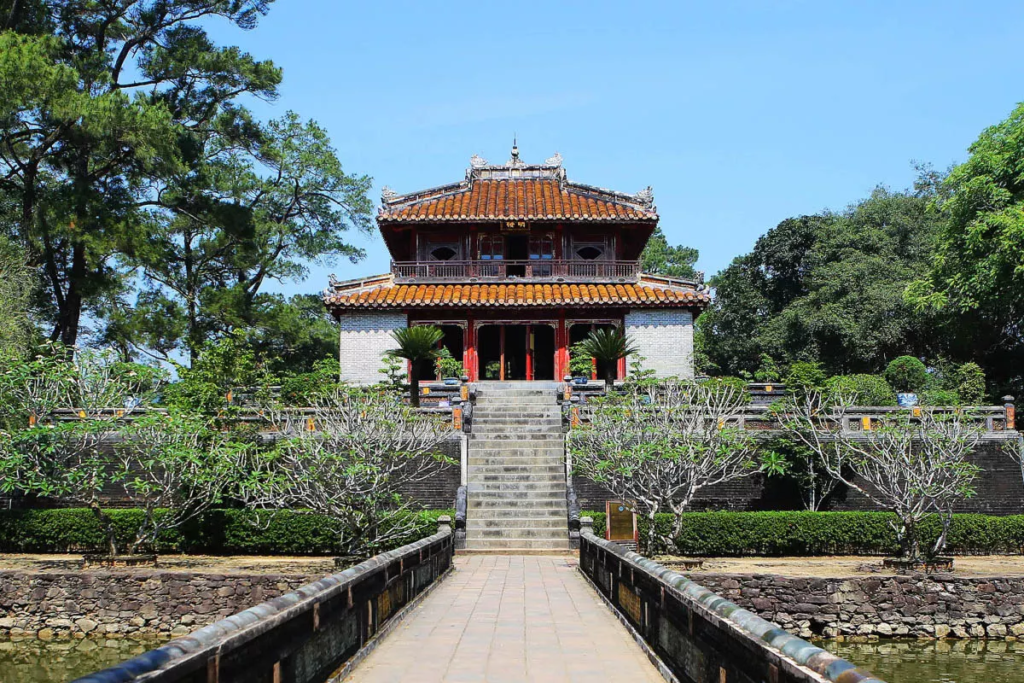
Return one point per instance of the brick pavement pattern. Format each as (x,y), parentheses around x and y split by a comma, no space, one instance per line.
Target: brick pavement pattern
(509,618)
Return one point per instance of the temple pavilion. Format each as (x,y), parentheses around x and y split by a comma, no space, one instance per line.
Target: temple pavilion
(515,263)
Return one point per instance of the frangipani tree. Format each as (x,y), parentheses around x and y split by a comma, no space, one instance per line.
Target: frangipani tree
(174,466)
(61,410)
(348,460)
(912,463)
(658,445)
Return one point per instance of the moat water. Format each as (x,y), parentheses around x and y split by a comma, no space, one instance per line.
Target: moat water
(894,661)
(38,661)
(948,661)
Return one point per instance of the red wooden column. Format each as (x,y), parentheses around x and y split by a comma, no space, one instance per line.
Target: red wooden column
(622,361)
(469,355)
(561,347)
(529,352)
(501,342)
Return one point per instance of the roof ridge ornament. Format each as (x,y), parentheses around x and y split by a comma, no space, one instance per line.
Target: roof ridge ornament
(477,161)
(387,195)
(646,197)
(515,161)
(555,160)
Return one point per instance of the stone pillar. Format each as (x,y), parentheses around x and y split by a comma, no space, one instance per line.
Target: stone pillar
(1011,417)
(586,526)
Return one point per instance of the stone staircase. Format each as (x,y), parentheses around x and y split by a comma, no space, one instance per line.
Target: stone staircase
(516,476)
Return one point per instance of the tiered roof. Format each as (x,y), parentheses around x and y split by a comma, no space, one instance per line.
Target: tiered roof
(382,293)
(517,191)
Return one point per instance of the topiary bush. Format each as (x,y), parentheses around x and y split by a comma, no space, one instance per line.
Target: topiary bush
(868,390)
(737,534)
(906,373)
(970,383)
(217,532)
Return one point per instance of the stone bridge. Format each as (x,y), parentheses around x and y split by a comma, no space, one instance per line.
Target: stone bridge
(420,613)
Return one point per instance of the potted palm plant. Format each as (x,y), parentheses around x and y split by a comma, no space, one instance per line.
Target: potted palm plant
(416,345)
(608,346)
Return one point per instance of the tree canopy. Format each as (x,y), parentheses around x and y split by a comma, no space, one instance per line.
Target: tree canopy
(659,258)
(828,288)
(138,184)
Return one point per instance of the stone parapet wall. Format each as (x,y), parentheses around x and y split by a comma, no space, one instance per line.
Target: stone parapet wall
(921,606)
(999,490)
(129,602)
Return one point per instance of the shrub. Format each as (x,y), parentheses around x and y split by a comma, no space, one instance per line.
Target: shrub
(869,390)
(736,534)
(906,373)
(970,383)
(804,376)
(217,532)
(939,397)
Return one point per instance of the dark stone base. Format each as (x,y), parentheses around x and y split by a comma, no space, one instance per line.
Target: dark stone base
(935,565)
(94,560)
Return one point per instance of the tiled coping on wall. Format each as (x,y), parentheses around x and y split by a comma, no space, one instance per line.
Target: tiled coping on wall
(303,636)
(700,636)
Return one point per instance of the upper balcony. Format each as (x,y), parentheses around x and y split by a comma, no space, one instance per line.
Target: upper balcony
(533,270)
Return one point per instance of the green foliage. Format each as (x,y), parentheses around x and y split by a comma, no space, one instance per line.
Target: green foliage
(446,365)
(938,397)
(659,258)
(607,346)
(581,363)
(864,390)
(417,344)
(906,373)
(305,388)
(215,532)
(804,376)
(828,288)
(777,534)
(492,370)
(970,384)
(978,261)
(224,366)
(17,286)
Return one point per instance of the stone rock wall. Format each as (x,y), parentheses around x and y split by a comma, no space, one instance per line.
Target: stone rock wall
(916,605)
(55,605)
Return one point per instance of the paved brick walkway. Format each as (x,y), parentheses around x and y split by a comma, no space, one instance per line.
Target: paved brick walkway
(504,619)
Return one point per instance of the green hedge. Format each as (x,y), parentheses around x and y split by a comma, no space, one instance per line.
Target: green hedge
(218,532)
(722,534)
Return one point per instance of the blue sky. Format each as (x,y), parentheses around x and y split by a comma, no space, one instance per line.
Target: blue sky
(739,114)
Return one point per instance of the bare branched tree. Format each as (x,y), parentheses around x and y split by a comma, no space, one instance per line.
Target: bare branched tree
(174,467)
(658,445)
(348,460)
(912,465)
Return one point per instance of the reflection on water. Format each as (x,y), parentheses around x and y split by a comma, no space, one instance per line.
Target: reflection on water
(38,661)
(948,661)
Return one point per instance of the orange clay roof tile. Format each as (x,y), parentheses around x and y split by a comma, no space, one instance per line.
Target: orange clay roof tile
(392,296)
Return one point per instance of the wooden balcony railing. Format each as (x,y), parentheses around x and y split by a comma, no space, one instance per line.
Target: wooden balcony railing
(537,270)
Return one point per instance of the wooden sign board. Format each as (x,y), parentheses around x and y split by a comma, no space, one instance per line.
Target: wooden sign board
(620,522)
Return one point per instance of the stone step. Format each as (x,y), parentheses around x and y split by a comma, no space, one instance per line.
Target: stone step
(510,546)
(526,429)
(514,419)
(483,451)
(522,486)
(517,400)
(547,507)
(554,468)
(537,496)
(524,460)
(521,533)
(504,515)
(517,522)
(523,440)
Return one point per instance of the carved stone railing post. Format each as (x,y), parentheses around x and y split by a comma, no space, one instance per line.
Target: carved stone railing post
(460,518)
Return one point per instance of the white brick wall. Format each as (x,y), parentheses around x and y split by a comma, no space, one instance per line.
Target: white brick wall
(665,339)
(365,336)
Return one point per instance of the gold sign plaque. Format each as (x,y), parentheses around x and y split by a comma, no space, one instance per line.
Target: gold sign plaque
(630,602)
(1011,417)
(457,419)
(620,521)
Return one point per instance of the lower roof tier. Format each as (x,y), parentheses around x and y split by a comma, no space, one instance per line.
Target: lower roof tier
(650,291)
